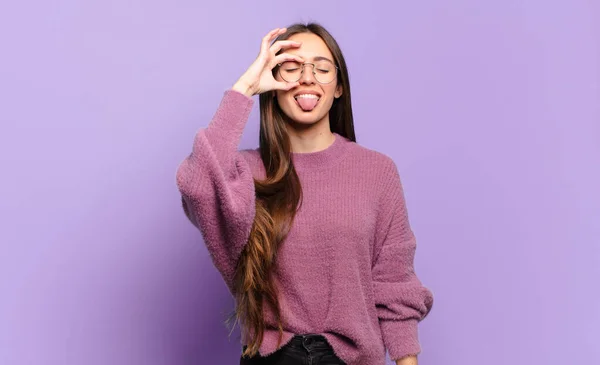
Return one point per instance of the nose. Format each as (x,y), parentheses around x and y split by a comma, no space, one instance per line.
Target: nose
(307,76)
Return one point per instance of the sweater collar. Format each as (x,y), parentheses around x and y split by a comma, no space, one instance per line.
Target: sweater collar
(323,158)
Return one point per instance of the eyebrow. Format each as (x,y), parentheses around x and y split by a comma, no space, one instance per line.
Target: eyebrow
(321,58)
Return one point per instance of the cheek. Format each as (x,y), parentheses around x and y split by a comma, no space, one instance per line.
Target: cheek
(330,90)
(281,95)
(284,100)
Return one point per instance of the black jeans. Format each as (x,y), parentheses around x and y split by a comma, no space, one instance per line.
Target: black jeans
(310,349)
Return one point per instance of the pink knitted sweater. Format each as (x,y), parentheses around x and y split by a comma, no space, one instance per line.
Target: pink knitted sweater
(346,268)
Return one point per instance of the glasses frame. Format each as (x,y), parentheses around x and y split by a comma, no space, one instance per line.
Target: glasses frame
(313,72)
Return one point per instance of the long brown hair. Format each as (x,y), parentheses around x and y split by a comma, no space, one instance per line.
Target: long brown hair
(278,197)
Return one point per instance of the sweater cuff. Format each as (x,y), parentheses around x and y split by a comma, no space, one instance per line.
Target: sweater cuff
(233,112)
(230,93)
(225,130)
(237,105)
(400,337)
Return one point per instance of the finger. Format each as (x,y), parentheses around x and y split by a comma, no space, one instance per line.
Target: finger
(269,36)
(280,85)
(272,35)
(279,45)
(267,39)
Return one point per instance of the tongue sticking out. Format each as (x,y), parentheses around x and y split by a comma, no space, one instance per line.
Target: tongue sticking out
(307,104)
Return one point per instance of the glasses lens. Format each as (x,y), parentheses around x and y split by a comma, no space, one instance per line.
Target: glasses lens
(324,71)
(290,71)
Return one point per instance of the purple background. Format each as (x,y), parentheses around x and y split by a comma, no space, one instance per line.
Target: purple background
(490,109)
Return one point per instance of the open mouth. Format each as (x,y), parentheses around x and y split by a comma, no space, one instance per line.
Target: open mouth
(307,102)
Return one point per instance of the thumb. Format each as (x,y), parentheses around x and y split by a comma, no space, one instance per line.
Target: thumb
(289,85)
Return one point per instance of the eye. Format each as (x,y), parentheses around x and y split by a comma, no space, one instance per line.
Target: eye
(323,67)
(290,66)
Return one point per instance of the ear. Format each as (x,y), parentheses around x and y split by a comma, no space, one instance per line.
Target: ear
(338,91)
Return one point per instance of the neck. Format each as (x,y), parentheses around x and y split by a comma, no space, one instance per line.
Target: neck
(310,138)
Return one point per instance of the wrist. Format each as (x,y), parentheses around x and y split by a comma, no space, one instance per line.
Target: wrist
(407,360)
(243,88)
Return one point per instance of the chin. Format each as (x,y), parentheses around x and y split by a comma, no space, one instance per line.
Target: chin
(305,118)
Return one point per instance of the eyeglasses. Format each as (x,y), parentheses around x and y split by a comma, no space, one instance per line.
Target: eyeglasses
(324,71)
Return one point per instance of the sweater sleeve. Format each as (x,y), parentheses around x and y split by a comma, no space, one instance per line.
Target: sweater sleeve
(400,298)
(217,186)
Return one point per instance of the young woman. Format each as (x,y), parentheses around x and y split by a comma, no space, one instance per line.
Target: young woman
(309,231)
